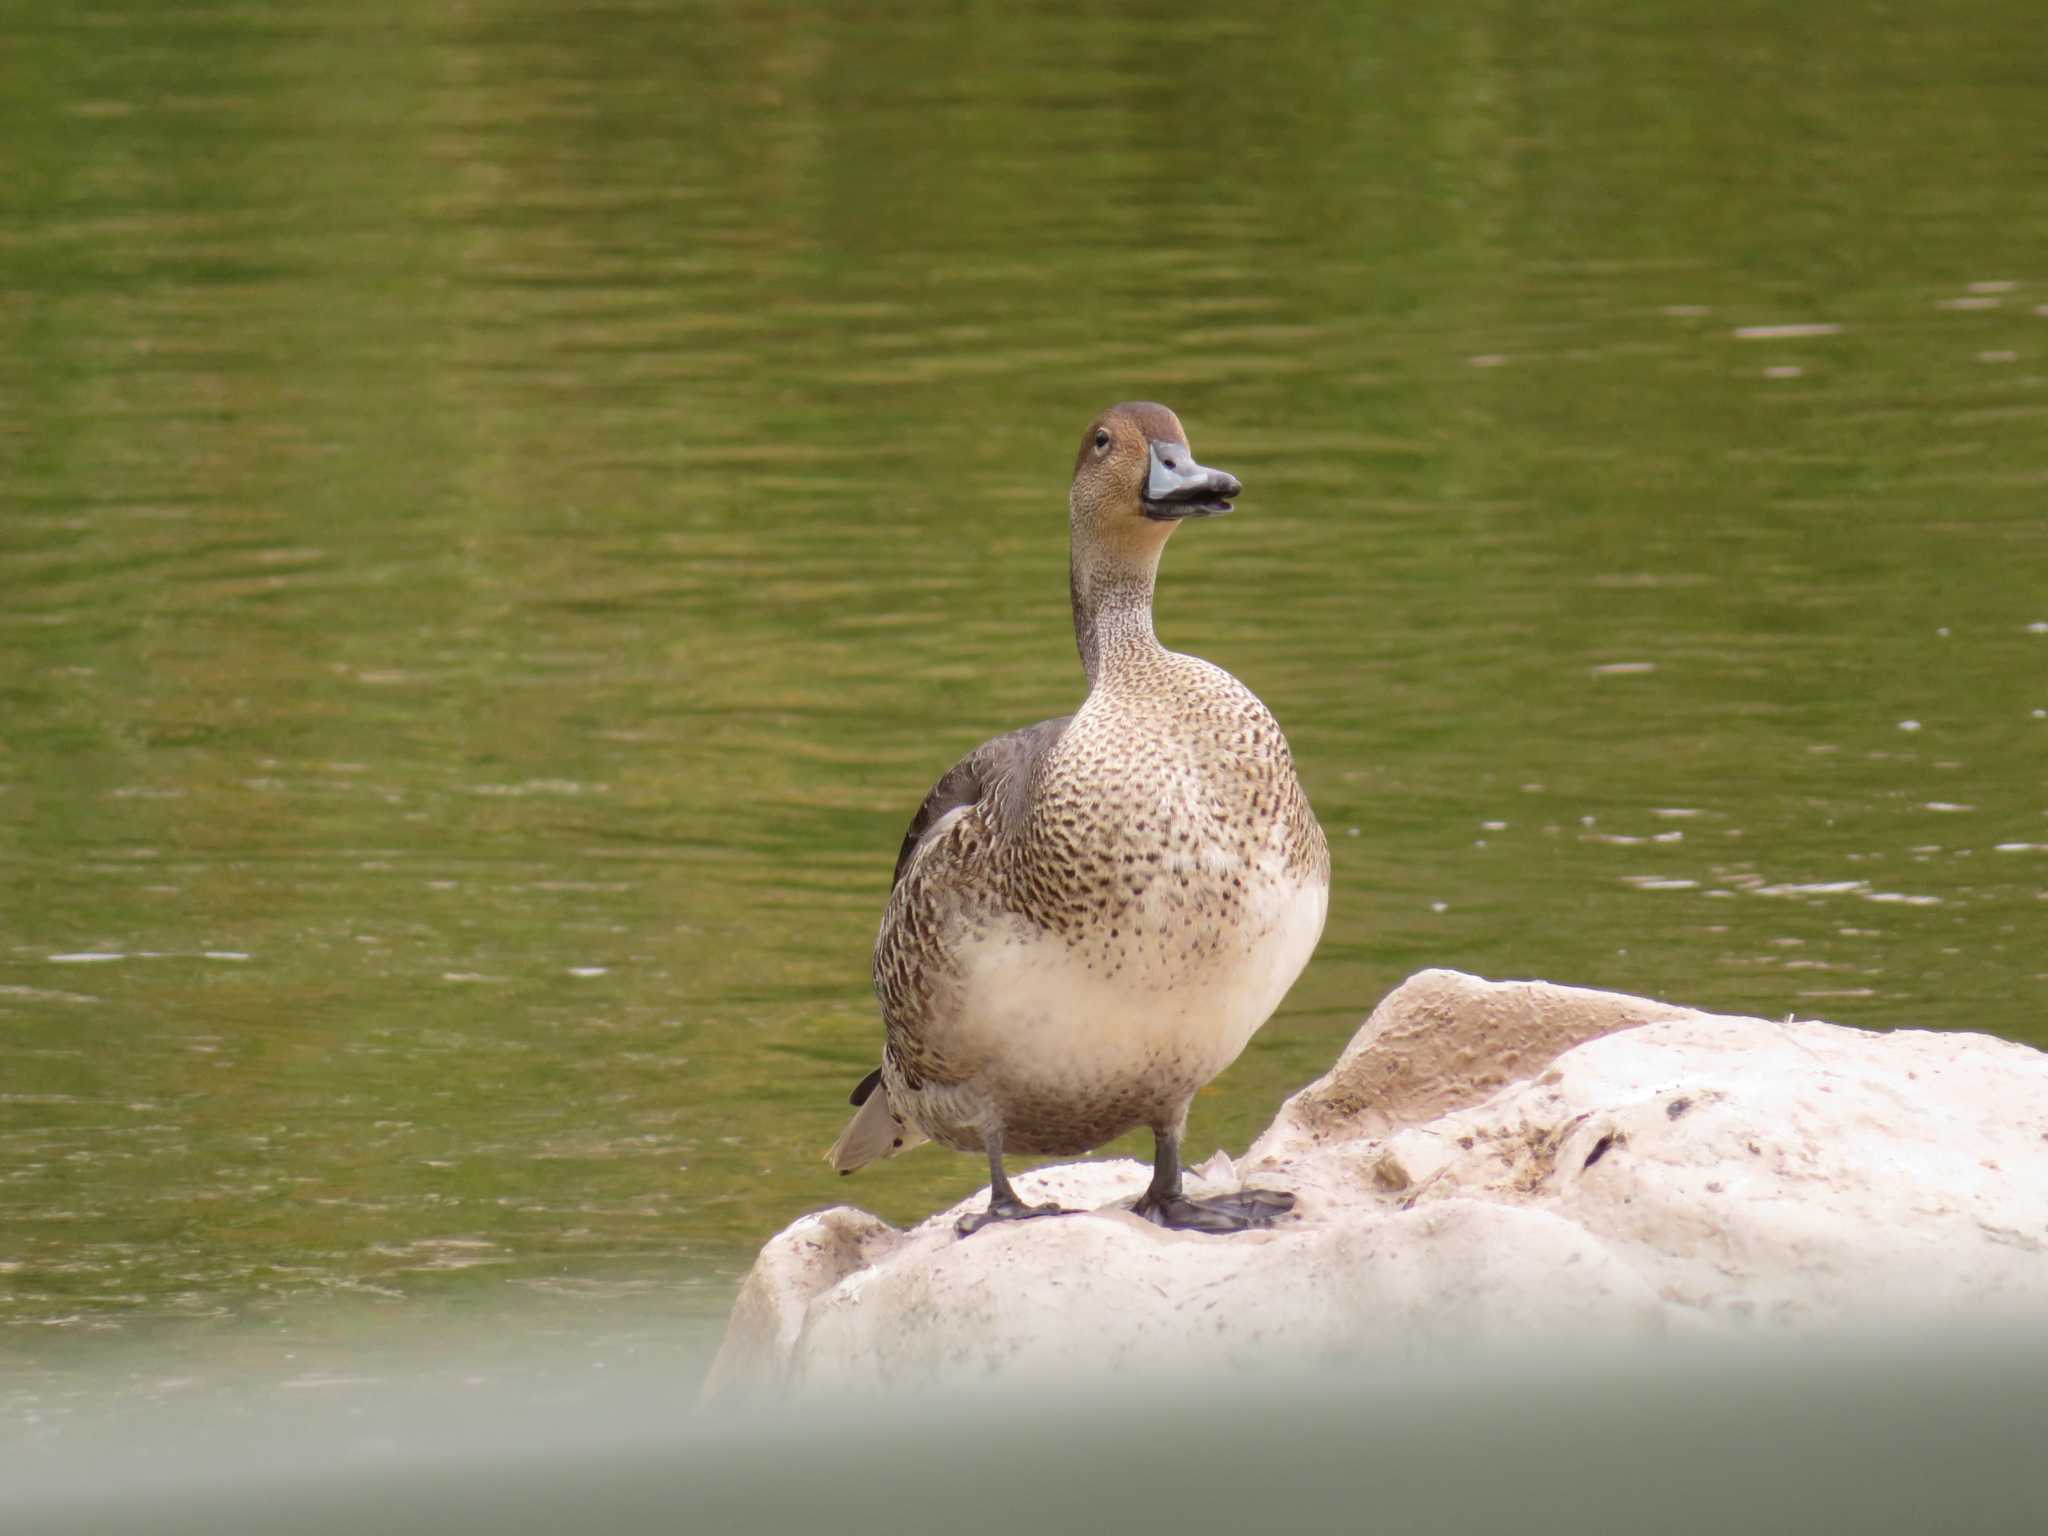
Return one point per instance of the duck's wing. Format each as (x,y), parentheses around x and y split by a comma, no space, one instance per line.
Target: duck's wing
(997,775)
(1002,769)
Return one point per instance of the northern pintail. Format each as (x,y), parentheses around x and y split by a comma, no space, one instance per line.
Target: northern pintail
(1091,916)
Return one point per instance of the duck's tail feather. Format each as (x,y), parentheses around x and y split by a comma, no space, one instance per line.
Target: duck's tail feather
(874,1132)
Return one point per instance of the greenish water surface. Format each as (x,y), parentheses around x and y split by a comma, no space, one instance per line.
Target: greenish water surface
(505,508)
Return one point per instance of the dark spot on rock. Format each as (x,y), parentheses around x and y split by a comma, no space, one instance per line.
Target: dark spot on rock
(1757,1151)
(1465,1142)
(1676,1108)
(1600,1149)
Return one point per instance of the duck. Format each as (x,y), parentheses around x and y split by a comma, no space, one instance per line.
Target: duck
(1091,916)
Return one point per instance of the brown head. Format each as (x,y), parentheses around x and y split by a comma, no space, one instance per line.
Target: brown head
(1134,479)
(1134,482)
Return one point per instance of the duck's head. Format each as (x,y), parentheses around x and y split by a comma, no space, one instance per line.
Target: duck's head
(1134,479)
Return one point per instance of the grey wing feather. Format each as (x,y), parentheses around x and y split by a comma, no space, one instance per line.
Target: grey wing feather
(1004,769)
(1011,760)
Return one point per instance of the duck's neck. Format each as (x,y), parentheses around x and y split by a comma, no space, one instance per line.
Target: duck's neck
(1113,608)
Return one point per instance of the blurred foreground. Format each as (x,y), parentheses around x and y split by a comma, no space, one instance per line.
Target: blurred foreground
(1941,1434)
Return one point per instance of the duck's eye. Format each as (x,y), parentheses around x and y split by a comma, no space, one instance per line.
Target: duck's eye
(1101,440)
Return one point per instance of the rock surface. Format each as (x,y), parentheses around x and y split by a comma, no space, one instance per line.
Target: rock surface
(1487,1165)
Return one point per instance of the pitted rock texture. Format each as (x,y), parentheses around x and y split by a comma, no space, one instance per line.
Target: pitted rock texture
(1489,1165)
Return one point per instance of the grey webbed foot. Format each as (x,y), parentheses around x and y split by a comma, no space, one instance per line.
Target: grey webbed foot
(1003,1204)
(1241,1212)
(1011,1209)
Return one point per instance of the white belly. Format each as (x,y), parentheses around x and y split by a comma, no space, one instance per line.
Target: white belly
(1155,1011)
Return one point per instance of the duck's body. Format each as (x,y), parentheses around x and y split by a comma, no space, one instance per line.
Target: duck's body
(1092,916)
(1088,965)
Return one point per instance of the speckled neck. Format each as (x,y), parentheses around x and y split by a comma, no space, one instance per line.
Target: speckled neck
(1112,595)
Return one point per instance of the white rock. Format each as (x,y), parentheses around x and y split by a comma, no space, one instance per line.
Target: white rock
(1488,1165)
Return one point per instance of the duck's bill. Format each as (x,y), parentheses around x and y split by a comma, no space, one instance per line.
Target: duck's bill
(1177,487)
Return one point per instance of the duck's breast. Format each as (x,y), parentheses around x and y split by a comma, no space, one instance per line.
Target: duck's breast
(1146,1005)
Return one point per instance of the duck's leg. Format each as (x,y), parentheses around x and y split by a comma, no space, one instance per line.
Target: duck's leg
(1163,1203)
(1003,1204)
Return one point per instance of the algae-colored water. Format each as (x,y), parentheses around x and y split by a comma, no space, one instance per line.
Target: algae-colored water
(508,506)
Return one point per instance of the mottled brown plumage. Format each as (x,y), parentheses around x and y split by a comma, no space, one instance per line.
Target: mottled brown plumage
(1092,915)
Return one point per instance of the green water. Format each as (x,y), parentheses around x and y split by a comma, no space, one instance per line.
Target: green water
(505,508)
